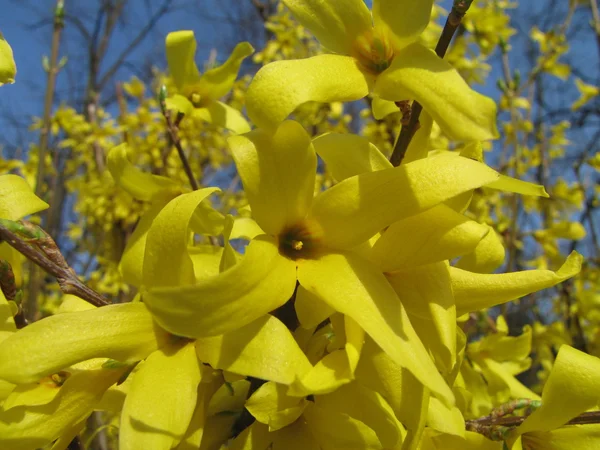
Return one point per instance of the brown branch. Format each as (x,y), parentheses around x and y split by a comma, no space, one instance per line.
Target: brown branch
(585,418)
(44,253)
(459,9)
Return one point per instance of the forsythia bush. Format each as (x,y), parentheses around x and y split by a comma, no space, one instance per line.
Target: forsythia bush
(319,308)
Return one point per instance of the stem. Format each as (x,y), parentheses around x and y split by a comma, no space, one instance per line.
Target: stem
(44,253)
(459,9)
(34,285)
(585,418)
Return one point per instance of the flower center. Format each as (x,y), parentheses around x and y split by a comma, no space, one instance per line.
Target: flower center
(374,51)
(300,241)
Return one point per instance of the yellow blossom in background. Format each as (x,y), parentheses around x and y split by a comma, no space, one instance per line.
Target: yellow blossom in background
(8,68)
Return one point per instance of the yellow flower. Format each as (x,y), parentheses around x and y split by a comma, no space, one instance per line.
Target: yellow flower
(8,68)
(377,54)
(200,94)
(304,240)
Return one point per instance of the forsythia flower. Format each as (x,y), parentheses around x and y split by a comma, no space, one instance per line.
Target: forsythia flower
(376,54)
(200,94)
(8,68)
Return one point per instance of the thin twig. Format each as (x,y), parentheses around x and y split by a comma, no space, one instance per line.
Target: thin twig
(585,418)
(459,9)
(45,254)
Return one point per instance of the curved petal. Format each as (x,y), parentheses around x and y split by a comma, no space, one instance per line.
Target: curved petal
(383,108)
(8,68)
(263,349)
(181,51)
(358,207)
(140,185)
(166,258)
(180,104)
(487,256)
(405,20)
(473,291)
(334,24)
(17,199)
(261,282)
(445,419)
(509,184)
(7,322)
(419,145)
(281,86)
(218,81)
(272,406)
(278,173)
(581,437)
(347,155)
(311,311)
(435,235)
(161,400)
(362,292)
(418,73)
(573,387)
(124,332)
(223,115)
(24,428)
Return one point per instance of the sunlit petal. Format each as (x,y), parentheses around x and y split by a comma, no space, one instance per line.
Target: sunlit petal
(487,256)
(223,115)
(509,184)
(278,172)
(17,199)
(270,405)
(8,68)
(281,86)
(405,20)
(218,81)
(181,51)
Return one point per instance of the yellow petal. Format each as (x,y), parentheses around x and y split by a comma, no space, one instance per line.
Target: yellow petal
(426,293)
(362,292)
(358,207)
(487,256)
(263,349)
(367,406)
(278,173)
(246,228)
(8,68)
(140,185)
(166,260)
(223,115)
(419,145)
(181,51)
(473,291)
(418,73)
(334,24)
(347,155)
(161,400)
(383,108)
(7,322)
(124,332)
(435,235)
(338,430)
(581,437)
(262,281)
(445,419)
(573,387)
(25,428)
(281,86)
(180,104)
(471,441)
(17,199)
(256,436)
(310,309)
(335,369)
(502,383)
(509,184)
(218,81)
(270,405)
(405,20)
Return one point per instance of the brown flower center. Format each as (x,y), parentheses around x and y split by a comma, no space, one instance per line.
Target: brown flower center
(300,241)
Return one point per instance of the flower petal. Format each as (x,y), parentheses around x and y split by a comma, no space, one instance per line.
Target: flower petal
(124,332)
(181,51)
(347,155)
(262,281)
(487,256)
(419,145)
(281,86)
(383,108)
(223,115)
(362,292)
(7,322)
(278,172)
(418,73)
(434,235)
(8,68)
(358,207)
(445,419)
(581,437)
(166,259)
(573,387)
(180,104)
(509,184)
(405,20)
(262,349)
(161,400)
(473,291)
(270,405)
(311,311)
(140,185)
(334,24)
(218,81)
(17,199)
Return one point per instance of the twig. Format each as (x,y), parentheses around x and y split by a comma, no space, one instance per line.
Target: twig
(585,418)
(38,247)
(459,9)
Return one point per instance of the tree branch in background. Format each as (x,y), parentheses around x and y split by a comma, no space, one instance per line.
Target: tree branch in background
(459,9)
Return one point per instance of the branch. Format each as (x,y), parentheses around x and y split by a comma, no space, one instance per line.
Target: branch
(459,9)
(37,246)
